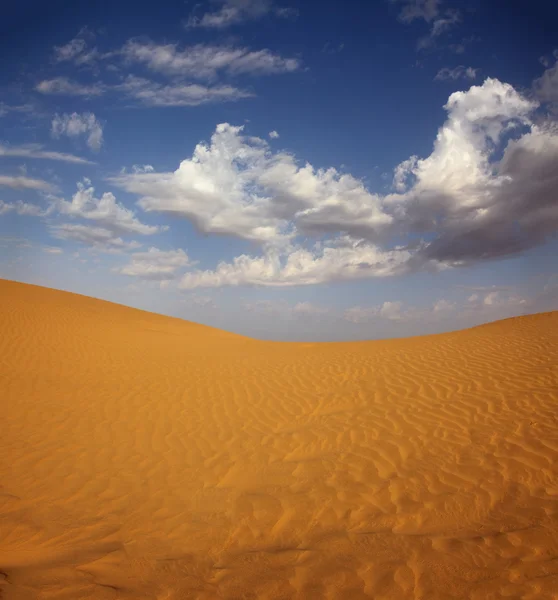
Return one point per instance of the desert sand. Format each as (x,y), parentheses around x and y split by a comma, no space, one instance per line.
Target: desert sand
(147,457)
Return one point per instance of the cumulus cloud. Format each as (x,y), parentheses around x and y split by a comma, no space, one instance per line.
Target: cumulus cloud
(546,86)
(205,61)
(105,211)
(459,72)
(487,190)
(99,238)
(75,125)
(20,182)
(233,12)
(302,267)
(273,135)
(36,151)
(477,207)
(155,264)
(236,185)
(65,87)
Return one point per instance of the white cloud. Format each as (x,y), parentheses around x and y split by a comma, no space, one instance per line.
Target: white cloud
(155,264)
(359,314)
(459,72)
(418,9)
(182,67)
(63,86)
(390,310)
(233,12)
(491,298)
(281,308)
(546,86)
(77,50)
(75,125)
(6,109)
(35,151)
(273,135)
(69,50)
(473,204)
(19,182)
(142,169)
(105,211)
(302,267)
(443,306)
(441,21)
(151,93)
(237,186)
(204,61)
(52,250)
(439,27)
(200,301)
(494,300)
(21,208)
(461,204)
(99,238)
(308,309)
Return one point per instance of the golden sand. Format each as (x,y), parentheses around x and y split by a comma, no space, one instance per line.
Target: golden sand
(147,457)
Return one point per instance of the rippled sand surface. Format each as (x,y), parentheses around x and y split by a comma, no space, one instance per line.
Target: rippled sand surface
(145,457)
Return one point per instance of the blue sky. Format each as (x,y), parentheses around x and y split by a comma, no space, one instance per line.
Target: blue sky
(286,170)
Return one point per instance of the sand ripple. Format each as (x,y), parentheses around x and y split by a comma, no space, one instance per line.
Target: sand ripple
(150,458)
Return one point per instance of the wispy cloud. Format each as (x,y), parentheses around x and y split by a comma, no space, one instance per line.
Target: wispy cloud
(98,238)
(187,76)
(78,50)
(411,10)
(36,151)
(66,87)
(460,72)
(441,20)
(75,125)
(19,182)
(155,264)
(206,61)
(6,109)
(22,208)
(150,93)
(234,12)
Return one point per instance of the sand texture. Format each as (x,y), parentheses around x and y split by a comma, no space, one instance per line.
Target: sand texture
(147,457)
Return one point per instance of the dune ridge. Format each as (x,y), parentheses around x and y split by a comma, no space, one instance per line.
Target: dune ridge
(146,457)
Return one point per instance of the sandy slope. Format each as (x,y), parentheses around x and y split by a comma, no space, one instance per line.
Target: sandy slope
(151,458)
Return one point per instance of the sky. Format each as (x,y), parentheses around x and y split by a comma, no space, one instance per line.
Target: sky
(282,169)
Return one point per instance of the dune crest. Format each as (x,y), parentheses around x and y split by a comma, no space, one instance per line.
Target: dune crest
(145,457)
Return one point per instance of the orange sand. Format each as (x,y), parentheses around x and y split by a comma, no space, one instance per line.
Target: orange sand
(150,458)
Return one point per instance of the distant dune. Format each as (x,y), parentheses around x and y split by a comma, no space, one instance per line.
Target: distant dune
(151,458)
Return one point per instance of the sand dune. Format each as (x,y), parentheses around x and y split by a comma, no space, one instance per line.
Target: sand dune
(150,458)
